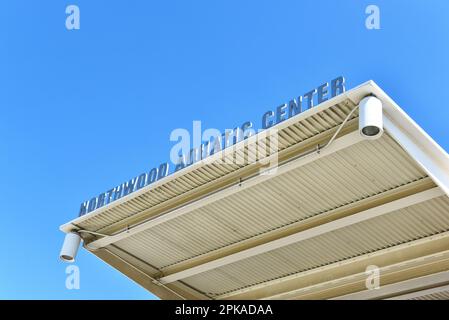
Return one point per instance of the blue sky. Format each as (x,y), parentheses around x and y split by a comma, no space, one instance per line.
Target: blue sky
(84,110)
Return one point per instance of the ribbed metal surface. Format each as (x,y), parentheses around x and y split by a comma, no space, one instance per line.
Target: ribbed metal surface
(296,133)
(408,224)
(434,296)
(347,176)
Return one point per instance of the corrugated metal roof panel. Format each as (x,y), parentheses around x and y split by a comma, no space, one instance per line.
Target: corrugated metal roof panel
(405,225)
(347,176)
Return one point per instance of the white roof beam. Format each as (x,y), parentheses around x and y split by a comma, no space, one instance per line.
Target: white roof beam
(307,234)
(339,144)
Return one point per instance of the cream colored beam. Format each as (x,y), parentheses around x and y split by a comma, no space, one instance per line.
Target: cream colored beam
(325,217)
(307,234)
(348,276)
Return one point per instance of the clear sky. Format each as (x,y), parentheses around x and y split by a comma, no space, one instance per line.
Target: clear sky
(84,110)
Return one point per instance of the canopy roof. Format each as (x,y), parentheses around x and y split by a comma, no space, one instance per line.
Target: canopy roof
(306,231)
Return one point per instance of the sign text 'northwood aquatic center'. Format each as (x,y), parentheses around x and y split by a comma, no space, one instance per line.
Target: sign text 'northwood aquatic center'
(218,143)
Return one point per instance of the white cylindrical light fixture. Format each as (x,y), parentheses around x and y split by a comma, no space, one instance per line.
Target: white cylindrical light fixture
(70,247)
(370,118)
